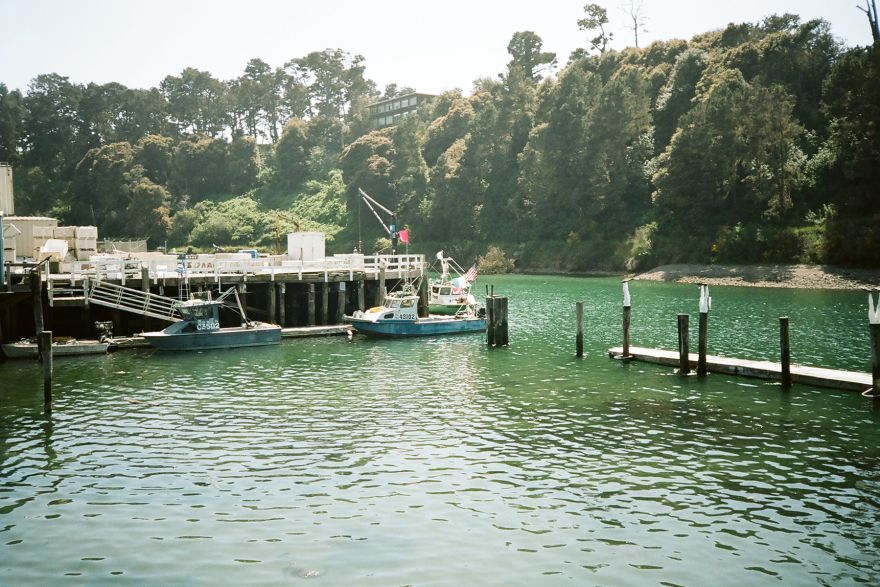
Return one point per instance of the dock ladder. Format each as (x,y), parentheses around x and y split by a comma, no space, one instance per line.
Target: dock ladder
(104,293)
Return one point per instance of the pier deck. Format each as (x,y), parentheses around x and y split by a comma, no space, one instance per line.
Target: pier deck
(818,376)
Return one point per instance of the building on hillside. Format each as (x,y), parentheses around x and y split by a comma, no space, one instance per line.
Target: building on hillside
(388,112)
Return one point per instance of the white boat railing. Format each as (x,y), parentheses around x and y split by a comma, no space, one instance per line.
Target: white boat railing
(217,266)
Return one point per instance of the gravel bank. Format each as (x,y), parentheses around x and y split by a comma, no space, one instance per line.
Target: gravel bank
(792,276)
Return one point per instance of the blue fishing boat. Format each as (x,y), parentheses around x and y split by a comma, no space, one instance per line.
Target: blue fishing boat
(199,329)
(398,317)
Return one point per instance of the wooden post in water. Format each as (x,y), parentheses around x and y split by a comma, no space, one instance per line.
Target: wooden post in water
(340,302)
(501,338)
(46,345)
(579,337)
(270,302)
(310,318)
(282,304)
(705,304)
(684,366)
(36,282)
(627,314)
(874,329)
(325,303)
(361,287)
(380,292)
(496,318)
(423,297)
(490,320)
(784,352)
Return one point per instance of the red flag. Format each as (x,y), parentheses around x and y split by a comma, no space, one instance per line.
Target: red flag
(403,235)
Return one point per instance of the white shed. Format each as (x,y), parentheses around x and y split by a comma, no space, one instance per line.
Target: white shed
(305,246)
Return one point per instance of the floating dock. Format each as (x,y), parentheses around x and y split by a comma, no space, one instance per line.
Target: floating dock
(821,377)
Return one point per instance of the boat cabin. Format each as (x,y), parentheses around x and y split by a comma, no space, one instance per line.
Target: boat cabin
(198,316)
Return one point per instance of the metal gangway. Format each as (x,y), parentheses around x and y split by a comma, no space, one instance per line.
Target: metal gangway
(119,297)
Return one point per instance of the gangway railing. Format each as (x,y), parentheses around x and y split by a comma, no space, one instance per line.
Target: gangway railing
(119,297)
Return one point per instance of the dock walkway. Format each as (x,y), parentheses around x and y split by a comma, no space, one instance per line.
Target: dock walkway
(832,378)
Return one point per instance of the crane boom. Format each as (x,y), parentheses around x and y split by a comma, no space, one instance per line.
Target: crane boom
(392,229)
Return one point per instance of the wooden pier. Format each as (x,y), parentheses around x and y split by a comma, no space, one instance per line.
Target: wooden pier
(275,289)
(821,377)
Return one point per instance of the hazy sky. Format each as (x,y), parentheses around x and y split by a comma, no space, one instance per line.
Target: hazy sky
(430,46)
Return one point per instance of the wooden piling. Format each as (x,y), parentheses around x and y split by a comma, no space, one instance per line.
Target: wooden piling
(380,292)
(702,344)
(310,317)
(36,283)
(361,288)
(627,314)
(325,303)
(46,346)
(684,366)
(270,302)
(496,318)
(145,279)
(502,323)
(784,352)
(875,359)
(579,337)
(282,304)
(490,320)
(423,297)
(340,302)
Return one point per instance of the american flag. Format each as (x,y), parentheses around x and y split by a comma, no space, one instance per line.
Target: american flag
(471,274)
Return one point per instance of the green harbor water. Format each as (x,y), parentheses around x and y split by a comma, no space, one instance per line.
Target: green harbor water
(440,462)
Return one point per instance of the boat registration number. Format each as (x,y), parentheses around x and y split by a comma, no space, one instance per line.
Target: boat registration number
(209,324)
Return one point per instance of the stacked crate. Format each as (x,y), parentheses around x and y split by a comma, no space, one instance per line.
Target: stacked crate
(85,242)
(66,233)
(40,235)
(81,241)
(7,240)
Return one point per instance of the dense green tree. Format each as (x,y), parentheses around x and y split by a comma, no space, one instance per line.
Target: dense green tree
(847,172)
(100,190)
(528,60)
(155,154)
(194,98)
(595,19)
(11,116)
(742,136)
(292,155)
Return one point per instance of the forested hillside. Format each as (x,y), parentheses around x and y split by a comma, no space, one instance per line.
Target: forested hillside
(756,143)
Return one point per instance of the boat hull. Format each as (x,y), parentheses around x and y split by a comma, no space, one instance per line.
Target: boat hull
(222,338)
(28,350)
(445,309)
(432,326)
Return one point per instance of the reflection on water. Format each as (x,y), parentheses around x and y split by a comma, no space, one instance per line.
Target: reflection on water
(441,462)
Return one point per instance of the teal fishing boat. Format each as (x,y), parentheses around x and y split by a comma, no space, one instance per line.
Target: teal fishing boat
(199,329)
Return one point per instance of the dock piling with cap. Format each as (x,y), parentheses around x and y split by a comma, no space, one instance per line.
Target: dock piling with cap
(702,342)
